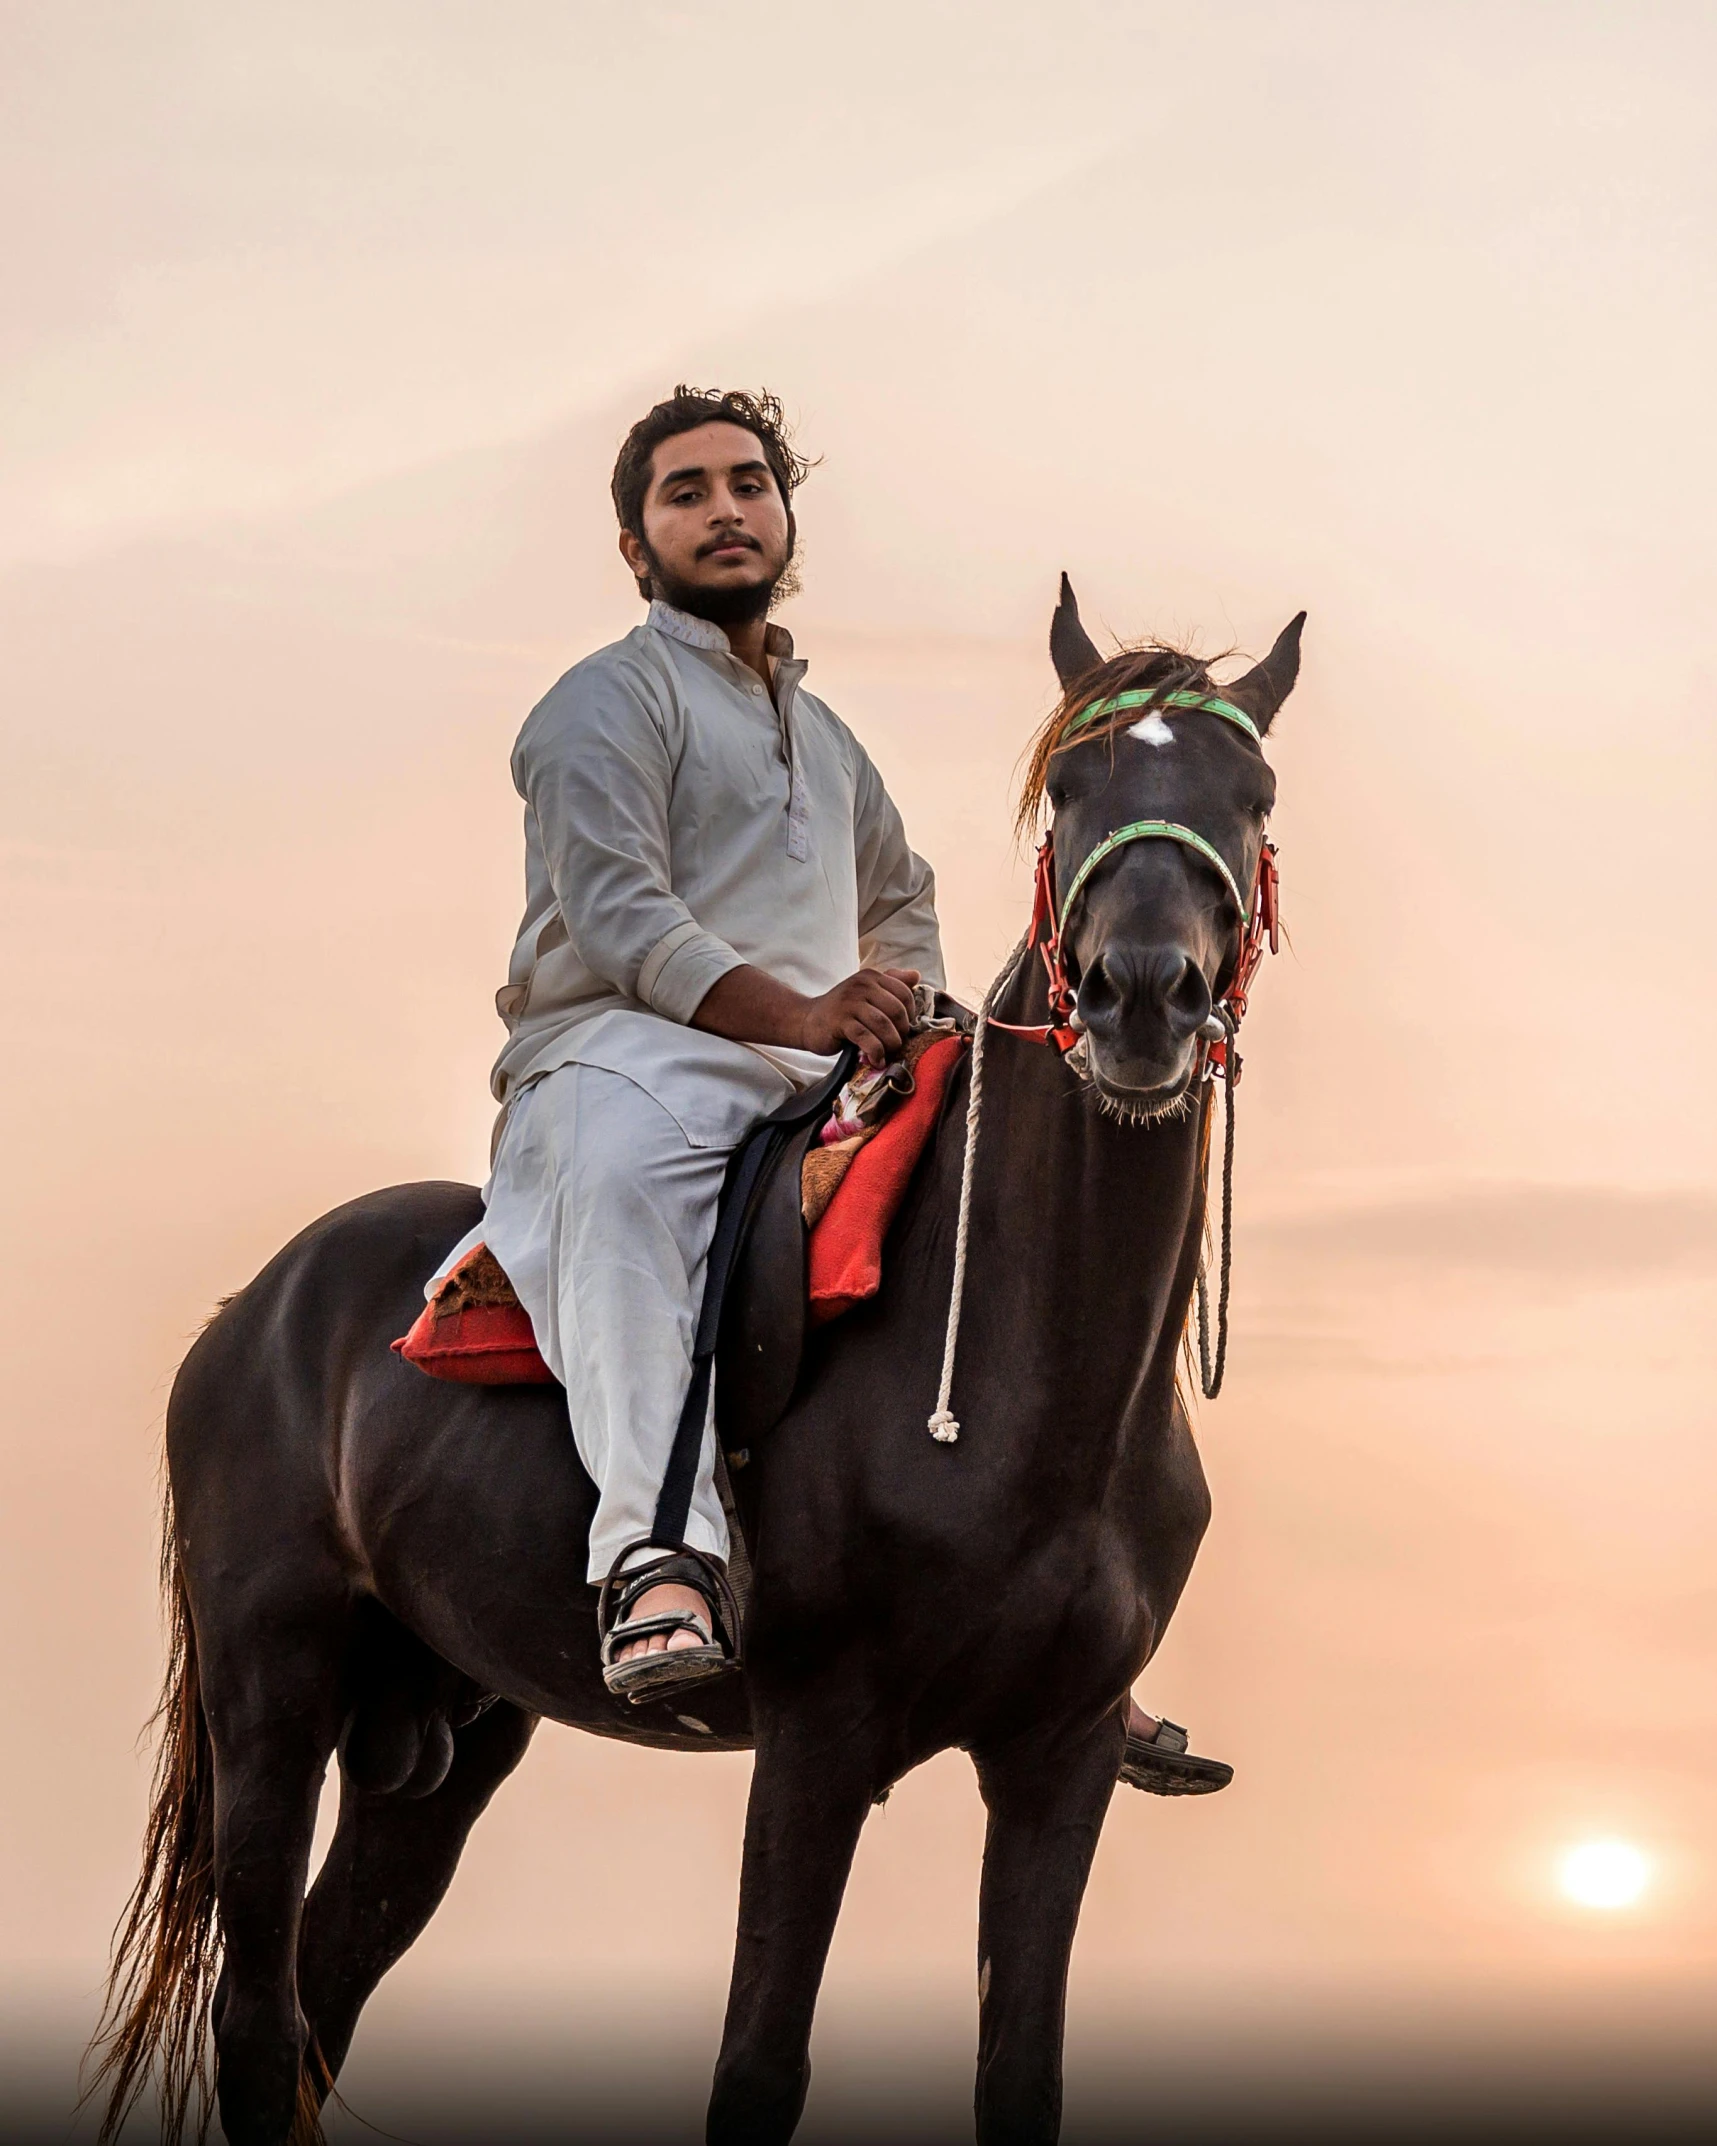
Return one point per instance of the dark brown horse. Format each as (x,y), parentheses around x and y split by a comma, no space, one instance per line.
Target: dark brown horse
(361,1560)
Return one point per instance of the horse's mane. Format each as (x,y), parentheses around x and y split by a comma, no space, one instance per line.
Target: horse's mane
(1149,663)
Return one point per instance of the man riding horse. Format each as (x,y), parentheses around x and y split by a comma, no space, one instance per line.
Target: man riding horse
(719,895)
(364,1562)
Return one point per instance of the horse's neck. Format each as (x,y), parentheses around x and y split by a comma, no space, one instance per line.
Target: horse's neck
(1085,1236)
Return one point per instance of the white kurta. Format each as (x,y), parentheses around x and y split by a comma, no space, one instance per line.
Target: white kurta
(680,820)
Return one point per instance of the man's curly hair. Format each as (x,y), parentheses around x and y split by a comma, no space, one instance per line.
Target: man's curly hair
(684,411)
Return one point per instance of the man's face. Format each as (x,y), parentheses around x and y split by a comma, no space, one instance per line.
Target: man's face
(715,525)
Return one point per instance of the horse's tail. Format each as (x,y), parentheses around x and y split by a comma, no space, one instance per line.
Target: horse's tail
(166,1950)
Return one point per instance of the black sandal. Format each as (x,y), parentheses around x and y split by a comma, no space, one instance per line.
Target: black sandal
(655,1676)
(1164,1766)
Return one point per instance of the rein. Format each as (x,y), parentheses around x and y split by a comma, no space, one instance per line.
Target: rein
(1260,928)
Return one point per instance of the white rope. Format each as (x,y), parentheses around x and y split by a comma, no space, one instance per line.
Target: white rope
(943,1426)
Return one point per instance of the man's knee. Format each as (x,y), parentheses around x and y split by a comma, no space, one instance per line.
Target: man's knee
(628,1200)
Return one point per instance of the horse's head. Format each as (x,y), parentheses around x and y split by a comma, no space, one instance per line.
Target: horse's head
(1147,747)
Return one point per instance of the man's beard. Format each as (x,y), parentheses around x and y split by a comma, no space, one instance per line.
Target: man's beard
(728,605)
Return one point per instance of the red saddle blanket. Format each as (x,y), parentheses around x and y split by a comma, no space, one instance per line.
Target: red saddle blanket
(475,1331)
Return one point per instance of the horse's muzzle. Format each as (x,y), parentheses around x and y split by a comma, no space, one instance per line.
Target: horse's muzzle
(1142,1008)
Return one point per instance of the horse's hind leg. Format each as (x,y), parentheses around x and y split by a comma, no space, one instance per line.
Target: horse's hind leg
(390,1863)
(271,1687)
(1047,1799)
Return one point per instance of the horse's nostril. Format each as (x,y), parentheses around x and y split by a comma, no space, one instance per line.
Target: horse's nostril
(1187,999)
(1100,991)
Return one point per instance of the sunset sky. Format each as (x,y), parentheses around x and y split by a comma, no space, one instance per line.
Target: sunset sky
(322,325)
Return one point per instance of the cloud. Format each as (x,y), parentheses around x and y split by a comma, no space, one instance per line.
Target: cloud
(1574,1231)
(345,251)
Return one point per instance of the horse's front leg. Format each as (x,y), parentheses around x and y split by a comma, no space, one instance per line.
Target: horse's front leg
(1047,1797)
(817,1771)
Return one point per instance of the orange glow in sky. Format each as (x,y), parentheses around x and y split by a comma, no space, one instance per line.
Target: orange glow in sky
(322,329)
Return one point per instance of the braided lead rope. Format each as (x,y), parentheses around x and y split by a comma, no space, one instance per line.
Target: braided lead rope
(943,1425)
(1209,1376)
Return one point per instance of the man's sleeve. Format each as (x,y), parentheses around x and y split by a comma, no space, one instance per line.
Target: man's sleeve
(896,888)
(593,766)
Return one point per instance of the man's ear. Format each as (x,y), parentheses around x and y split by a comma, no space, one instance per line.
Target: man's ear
(637,561)
(1071,648)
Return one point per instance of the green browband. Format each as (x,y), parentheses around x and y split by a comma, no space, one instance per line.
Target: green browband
(1146,697)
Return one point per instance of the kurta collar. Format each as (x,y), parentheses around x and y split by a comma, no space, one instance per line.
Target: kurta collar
(699,633)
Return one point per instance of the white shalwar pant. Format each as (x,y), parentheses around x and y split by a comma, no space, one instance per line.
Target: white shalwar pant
(601,1212)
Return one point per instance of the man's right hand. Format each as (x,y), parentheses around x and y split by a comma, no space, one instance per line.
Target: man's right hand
(872,1008)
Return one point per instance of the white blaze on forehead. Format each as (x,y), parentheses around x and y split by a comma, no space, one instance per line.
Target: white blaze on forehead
(1152,729)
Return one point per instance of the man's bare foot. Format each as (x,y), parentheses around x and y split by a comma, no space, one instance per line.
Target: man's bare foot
(656,1602)
(1141,1725)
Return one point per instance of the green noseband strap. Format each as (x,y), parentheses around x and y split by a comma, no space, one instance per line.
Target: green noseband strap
(1146,697)
(1159,831)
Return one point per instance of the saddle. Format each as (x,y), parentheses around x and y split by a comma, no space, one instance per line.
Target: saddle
(804,1210)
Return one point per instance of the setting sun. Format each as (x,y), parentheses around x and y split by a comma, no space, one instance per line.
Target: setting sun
(1604,1874)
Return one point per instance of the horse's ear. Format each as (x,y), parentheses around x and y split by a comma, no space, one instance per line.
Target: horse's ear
(1071,648)
(1264,688)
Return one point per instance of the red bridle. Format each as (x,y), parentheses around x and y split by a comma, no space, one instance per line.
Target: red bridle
(1261,929)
